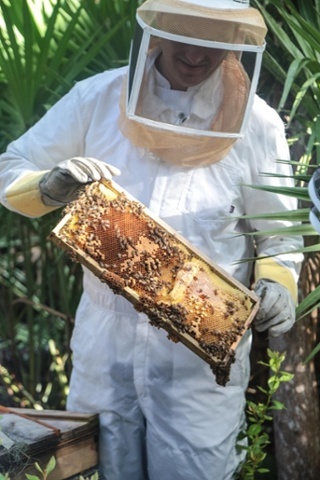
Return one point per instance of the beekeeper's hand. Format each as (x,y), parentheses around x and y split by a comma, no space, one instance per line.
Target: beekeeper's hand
(60,185)
(277,308)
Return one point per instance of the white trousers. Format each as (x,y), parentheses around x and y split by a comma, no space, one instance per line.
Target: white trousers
(162,415)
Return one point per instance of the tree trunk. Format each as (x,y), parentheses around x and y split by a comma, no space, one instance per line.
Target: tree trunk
(297,427)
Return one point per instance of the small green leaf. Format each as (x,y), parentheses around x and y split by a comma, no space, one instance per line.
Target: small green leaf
(268,418)
(263,470)
(273,383)
(313,353)
(286,376)
(95,476)
(32,477)
(39,468)
(51,465)
(4,477)
(254,429)
(265,364)
(276,405)
(263,390)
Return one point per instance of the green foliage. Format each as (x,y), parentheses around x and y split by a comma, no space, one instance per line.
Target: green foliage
(46,45)
(44,472)
(292,59)
(95,476)
(260,414)
(41,288)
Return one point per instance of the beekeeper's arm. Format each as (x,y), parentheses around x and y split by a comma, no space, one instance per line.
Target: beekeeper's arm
(46,166)
(276,278)
(38,193)
(277,267)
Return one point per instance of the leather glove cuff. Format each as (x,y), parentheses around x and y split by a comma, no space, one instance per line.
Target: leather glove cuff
(58,187)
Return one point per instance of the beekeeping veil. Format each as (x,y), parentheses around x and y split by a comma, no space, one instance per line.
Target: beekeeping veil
(226,96)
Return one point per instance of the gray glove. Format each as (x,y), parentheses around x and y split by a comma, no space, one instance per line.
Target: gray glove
(277,308)
(60,185)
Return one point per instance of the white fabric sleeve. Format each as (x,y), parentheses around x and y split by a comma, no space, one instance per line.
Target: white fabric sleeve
(285,268)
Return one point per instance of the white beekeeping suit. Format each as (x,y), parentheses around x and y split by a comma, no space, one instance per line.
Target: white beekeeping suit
(186,153)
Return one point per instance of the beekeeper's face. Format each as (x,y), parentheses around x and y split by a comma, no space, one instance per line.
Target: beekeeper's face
(185,65)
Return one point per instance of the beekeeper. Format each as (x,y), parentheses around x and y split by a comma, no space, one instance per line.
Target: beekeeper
(185,134)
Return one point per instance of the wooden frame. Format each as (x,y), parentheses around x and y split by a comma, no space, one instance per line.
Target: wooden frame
(65,236)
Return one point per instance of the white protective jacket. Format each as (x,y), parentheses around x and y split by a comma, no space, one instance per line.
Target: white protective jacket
(157,400)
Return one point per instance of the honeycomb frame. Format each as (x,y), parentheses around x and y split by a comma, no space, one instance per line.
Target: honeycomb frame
(143,259)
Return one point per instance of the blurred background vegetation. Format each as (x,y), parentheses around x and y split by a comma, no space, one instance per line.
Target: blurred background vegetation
(47,45)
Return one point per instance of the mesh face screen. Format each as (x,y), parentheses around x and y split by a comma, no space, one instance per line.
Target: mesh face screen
(141,258)
(203,28)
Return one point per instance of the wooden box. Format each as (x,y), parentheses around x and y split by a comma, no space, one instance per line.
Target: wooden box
(142,258)
(72,438)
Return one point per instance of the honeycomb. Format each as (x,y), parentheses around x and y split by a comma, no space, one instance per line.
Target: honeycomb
(143,259)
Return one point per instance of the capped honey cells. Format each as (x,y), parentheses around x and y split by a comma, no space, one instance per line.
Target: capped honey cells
(143,259)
